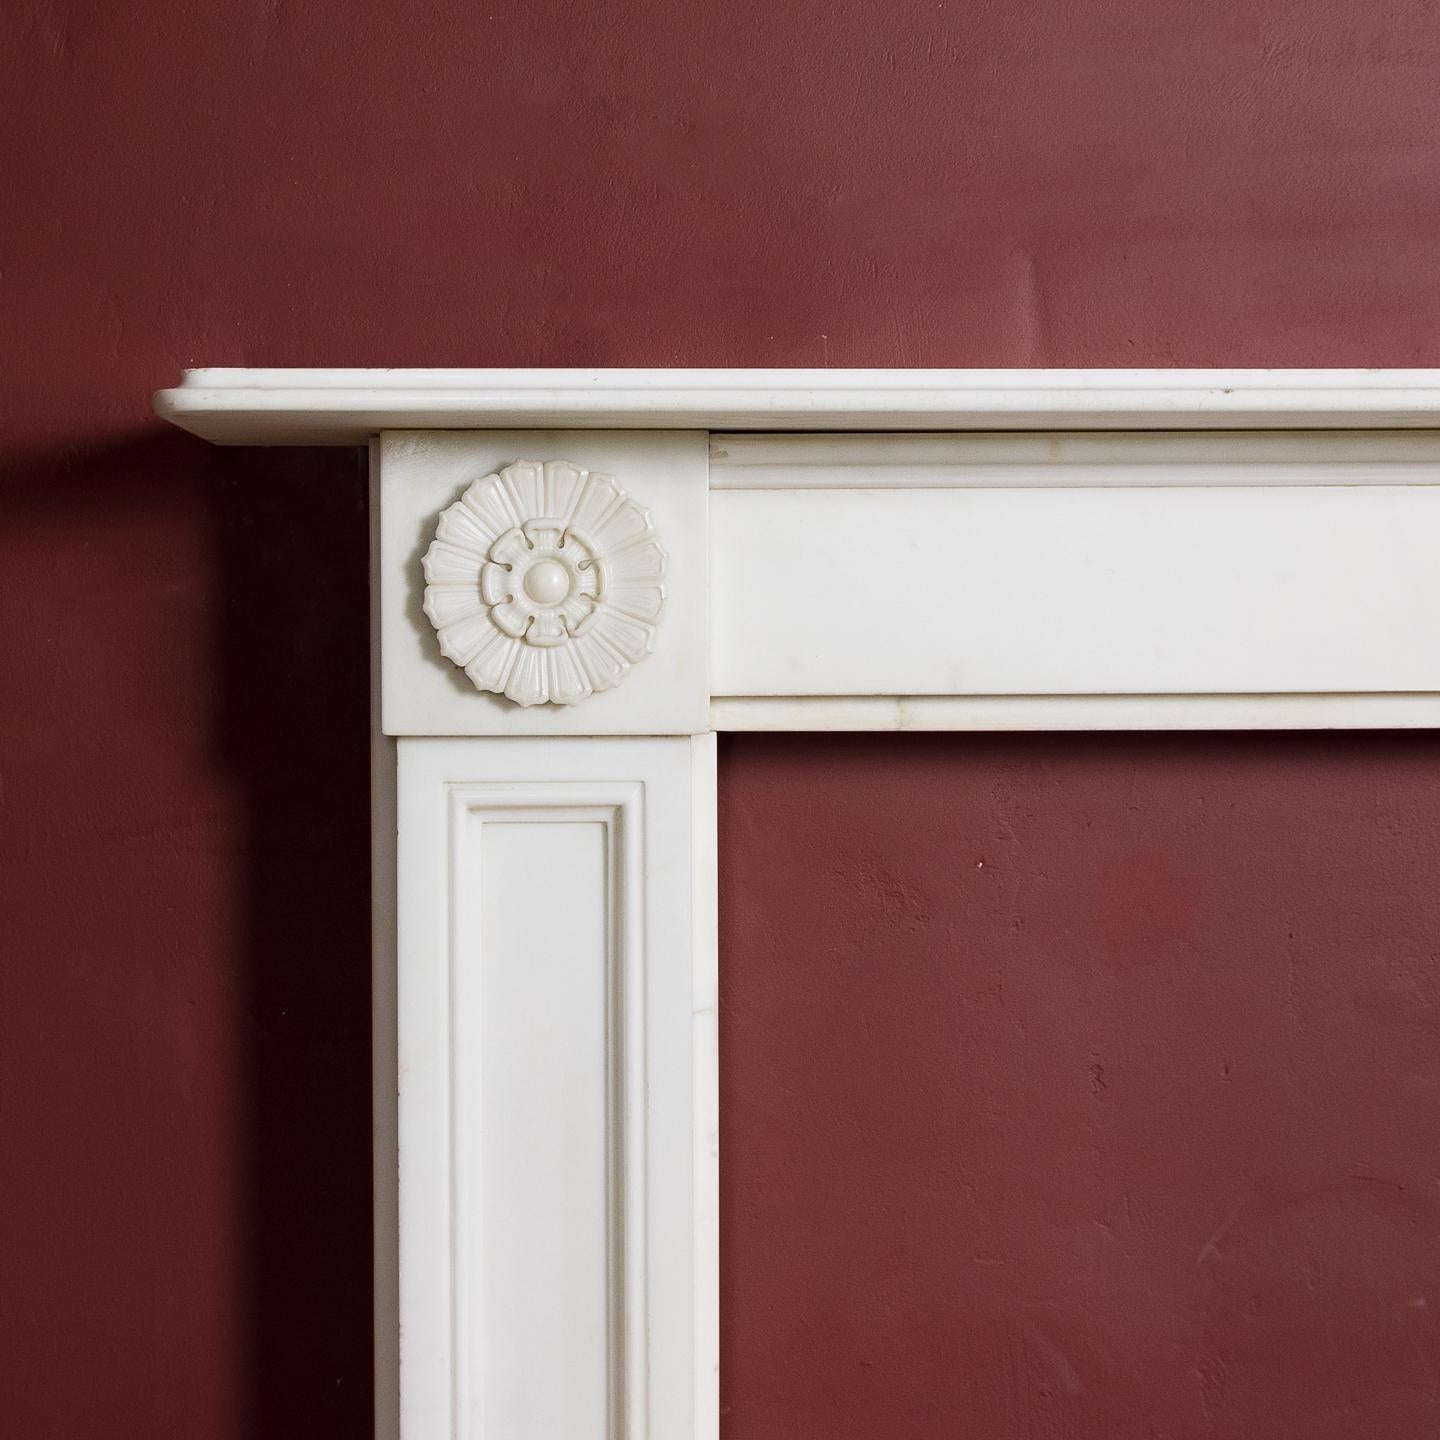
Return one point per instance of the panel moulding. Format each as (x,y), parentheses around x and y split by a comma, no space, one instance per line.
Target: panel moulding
(555,1004)
(480,814)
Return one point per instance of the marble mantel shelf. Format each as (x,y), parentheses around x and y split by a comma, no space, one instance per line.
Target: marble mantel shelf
(348,406)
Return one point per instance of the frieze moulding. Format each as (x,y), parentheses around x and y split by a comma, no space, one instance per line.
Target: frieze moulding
(544,582)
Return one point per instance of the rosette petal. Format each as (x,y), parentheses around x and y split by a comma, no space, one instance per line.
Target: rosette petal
(629,638)
(445,604)
(600,497)
(490,666)
(461,641)
(642,602)
(621,525)
(489,502)
(602,666)
(529,682)
(461,527)
(567,678)
(562,485)
(524,484)
(640,560)
(446,565)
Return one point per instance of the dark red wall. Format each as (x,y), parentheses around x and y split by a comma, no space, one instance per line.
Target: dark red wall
(183,968)
(1081,1087)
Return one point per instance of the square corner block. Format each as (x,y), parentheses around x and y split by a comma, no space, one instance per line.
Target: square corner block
(546,581)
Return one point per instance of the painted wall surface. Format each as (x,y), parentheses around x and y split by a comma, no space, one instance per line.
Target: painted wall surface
(1081,1086)
(183,851)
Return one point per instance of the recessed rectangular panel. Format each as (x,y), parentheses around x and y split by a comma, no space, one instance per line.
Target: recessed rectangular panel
(533,1061)
(1076,591)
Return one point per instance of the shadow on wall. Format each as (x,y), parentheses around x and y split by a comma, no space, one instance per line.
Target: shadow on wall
(193,629)
(293,724)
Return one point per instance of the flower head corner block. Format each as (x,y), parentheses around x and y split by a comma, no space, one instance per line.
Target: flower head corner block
(544,582)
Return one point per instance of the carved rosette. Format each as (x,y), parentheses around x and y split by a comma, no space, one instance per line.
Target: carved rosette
(544,582)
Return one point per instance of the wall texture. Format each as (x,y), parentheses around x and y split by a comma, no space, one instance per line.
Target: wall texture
(183,991)
(1081,1087)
